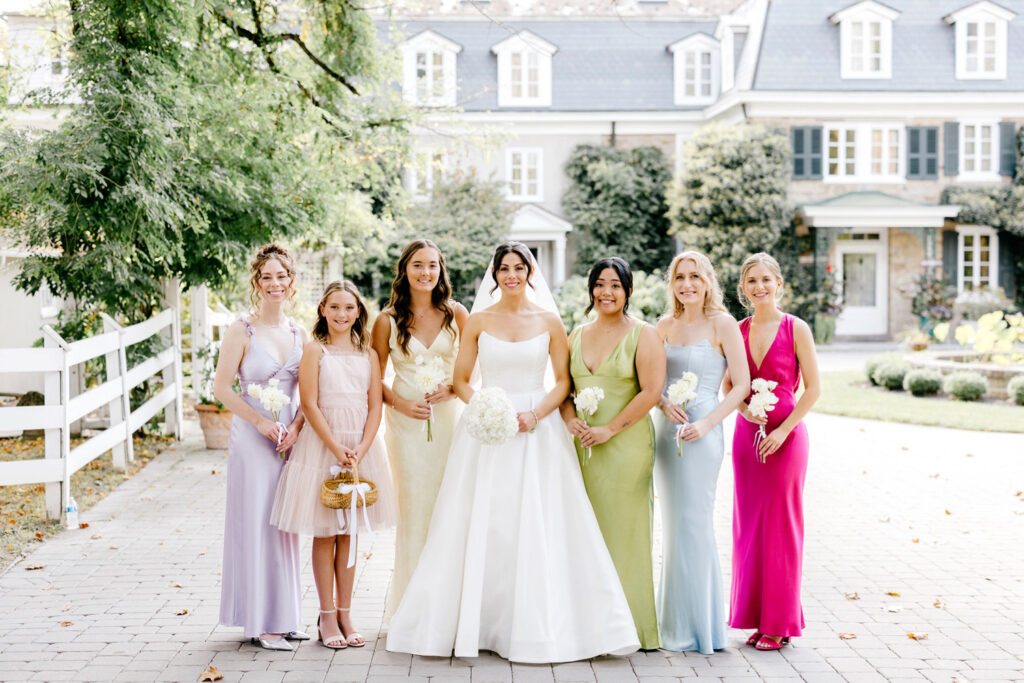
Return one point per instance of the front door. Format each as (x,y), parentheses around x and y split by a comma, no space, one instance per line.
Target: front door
(862,267)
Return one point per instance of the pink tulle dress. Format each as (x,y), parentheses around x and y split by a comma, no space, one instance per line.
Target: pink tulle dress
(344,381)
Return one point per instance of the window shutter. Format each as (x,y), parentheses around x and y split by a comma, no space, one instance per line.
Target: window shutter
(1007,148)
(951,143)
(1006,269)
(798,143)
(807,158)
(949,256)
(922,152)
(817,158)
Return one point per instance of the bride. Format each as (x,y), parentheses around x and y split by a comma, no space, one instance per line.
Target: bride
(514,560)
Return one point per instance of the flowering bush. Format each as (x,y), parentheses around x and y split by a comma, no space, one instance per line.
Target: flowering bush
(965,385)
(995,334)
(891,374)
(923,382)
(931,298)
(1015,389)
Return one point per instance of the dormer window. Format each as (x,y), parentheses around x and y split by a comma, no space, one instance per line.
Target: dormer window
(428,64)
(865,40)
(524,70)
(980,40)
(697,66)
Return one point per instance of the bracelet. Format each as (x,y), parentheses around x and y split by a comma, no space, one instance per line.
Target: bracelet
(536,420)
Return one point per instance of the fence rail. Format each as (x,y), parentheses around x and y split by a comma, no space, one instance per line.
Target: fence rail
(56,361)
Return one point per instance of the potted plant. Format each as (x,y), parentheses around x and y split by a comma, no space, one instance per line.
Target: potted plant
(214,418)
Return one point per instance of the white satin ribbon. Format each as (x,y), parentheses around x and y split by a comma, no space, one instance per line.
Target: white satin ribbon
(679,436)
(359,490)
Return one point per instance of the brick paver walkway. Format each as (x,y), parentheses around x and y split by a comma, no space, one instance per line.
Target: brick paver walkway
(933,515)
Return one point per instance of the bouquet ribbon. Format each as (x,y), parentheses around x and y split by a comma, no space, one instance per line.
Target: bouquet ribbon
(679,436)
(359,490)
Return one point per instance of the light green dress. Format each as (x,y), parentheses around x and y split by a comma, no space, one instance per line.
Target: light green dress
(619,477)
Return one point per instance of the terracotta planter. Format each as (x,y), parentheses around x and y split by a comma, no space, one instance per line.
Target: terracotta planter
(216,425)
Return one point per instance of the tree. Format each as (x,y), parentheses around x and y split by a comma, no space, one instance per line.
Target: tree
(730,198)
(465,216)
(205,127)
(616,200)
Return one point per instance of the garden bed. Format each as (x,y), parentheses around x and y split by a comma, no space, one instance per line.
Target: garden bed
(954,360)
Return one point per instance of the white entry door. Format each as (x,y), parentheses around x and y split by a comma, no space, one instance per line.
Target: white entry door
(862,268)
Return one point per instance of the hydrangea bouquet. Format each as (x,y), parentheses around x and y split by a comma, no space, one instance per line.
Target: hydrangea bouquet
(490,417)
(681,392)
(761,403)
(273,400)
(428,376)
(586,402)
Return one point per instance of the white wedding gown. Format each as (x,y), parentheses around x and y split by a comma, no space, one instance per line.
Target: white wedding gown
(514,560)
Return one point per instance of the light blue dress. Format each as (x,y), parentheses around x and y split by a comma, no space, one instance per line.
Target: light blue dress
(691,599)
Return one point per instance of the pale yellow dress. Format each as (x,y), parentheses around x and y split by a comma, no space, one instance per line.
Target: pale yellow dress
(416,464)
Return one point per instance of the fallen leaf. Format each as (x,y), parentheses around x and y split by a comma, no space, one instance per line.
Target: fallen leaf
(213,471)
(934,476)
(179,530)
(211,674)
(66,608)
(175,585)
(847,636)
(65,623)
(894,593)
(917,540)
(33,567)
(904,448)
(852,596)
(885,520)
(181,613)
(39,536)
(113,547)
(367,556)
(938,603)
(917,636)
(948,512)
(1016,494)
(970,455)
(893,608)
(83,525)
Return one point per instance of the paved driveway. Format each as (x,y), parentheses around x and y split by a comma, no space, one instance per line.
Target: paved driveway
(931,514)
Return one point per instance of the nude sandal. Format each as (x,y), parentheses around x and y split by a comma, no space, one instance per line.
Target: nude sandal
(355,635)
(337,642)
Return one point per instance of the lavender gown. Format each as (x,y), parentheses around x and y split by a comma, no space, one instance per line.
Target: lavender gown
(260,584)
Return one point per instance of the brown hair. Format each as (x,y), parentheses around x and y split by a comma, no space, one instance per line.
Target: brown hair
(520,250)
(263,254)
(360,330)
(713,297)
(759,259)
(400,305)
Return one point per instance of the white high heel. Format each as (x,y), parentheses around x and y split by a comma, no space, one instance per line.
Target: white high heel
(337,642)
(354,634)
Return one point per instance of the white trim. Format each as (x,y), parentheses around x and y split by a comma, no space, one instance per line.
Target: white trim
(528,56)
(697,66)
(976,232)
(434,48)
(875,217)
(860,18)
(863,157)
(977,174)
(524,154)
(865,320)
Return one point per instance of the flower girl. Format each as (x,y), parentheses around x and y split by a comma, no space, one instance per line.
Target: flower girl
(340,388)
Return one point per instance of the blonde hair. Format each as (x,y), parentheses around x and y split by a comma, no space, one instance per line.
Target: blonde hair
(759,259)
(359,333)
(713,297)
(264,254)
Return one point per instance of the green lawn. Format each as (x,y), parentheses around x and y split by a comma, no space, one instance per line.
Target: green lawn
(848,393)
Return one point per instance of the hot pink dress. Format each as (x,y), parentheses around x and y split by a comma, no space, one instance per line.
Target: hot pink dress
(768,514)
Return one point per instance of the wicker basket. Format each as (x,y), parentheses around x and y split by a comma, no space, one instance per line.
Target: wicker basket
(330,497)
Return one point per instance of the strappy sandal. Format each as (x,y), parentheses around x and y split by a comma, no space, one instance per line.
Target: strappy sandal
(766,643)
(337,642)
(752,640)
(355,635)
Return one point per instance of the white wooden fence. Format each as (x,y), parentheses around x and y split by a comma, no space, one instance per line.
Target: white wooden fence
(60,410)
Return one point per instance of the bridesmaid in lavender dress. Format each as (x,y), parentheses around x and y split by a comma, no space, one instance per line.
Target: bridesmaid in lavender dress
(260,585)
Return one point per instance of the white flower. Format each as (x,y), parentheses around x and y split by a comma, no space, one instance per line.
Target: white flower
(760,385)
(490,417)
(762,403)
(683,390)
(254,390)
(429,374)
(586,401)
(270,397)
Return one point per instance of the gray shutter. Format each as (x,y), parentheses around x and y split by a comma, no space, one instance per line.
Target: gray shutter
(949,256)
(815,155)
(931,151)
(798,143)
(1006,264)
(914,169)
(1007,148)
(951,145)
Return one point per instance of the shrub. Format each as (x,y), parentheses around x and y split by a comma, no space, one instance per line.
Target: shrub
(923,382)
(890,375)
(1015,389)
(871,364)
(965,385)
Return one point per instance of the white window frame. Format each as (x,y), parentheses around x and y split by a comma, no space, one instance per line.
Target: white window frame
(863,152)
(980,14)
(865,14)
(524,152)
(977,174)
(426,164)
(524,53)
(433,47)
(976,232)
(688,59)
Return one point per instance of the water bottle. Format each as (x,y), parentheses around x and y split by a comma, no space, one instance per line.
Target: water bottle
(71,516)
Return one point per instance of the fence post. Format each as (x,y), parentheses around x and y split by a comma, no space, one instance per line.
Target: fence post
(118,407)
(172,373)
(57,443)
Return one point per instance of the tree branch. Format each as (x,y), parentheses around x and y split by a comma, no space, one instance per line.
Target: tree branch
(297,39)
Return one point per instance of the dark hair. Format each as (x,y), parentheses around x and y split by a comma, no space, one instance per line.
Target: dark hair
(400,305)
(360,330)
(266,253)
(621,269)
(512,247)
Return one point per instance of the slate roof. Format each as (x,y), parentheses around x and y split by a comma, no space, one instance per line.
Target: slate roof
(600,65)
(800,50)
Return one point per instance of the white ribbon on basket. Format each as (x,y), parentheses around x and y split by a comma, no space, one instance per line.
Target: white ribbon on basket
(360,490)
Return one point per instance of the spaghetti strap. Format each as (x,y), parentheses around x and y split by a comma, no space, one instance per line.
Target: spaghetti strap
(248,326)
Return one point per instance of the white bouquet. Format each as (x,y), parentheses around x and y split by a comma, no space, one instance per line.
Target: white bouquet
(490,417)
(681,392)
(586,402)
(273,400)
(761,403)
(428,375)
